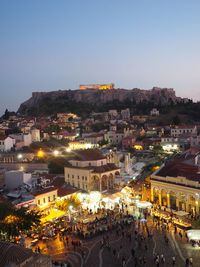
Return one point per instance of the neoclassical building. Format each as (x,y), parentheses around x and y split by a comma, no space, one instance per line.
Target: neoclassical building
(91,170)
(176,185)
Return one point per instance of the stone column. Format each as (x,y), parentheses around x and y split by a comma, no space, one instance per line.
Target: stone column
(177,203)
(168,201)
(152,196)
(100,185)
(160,198)
(197,207)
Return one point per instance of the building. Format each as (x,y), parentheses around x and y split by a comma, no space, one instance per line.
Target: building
(176,184)
(113,114)
(89,170)
(170,144)
(94,139)
(125,114)
(79,144)
(64,193)
(21,140)
(45,197)
(6,143)
(35,133)
(195,140)
(154,112)
(108,86)
(15,179)
(181,130)
(18,256)
(128,142)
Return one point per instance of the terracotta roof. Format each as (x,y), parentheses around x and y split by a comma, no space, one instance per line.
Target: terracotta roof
(175,169)
(11,253)
(58,182)
(62,191)
(3,137)
(184,127)
(94,135)
(105,168)
(43,191)
(88,154)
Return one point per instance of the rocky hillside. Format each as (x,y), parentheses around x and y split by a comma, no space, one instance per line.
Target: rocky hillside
(44,101)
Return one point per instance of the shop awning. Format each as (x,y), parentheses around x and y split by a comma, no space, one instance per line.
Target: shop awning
(193,234)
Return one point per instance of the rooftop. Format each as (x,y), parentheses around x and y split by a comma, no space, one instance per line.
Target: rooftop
(176,168)
(62,191)
(44,191)
(11,253)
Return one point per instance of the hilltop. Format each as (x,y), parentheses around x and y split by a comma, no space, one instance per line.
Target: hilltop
(80,101)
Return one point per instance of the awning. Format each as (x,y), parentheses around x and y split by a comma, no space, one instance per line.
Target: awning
(193,234)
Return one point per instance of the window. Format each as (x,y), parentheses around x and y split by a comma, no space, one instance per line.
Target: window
(54,197)
(72,176)
(82,177)
(101,162)
(78,176)
(68,176)
(76,163)
(89,163)
(49,199)
(38,201)
(86,178)
(44,200)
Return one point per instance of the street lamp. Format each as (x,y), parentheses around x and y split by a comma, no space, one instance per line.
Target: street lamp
(56,152)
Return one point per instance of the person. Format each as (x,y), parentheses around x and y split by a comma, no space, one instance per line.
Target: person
(173,260)
(114,252)
(123,261)
(157,262)
(187,262)
(133,252)
(191,261)
(161,257)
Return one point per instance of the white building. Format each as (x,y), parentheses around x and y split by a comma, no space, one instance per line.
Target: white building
(21,139)
(14,179)
(35,133)
(181,130)
(154,112)
(6,143)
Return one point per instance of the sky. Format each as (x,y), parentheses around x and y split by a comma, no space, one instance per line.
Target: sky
(49,45)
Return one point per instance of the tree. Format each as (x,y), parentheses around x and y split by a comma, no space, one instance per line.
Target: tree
(13,220)
(71,202)
(176,120)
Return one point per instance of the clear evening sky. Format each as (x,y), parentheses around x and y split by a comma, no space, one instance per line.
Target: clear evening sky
(58,44)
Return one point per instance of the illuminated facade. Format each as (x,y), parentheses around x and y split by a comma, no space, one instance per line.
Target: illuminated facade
(89,170)
(176,185)
(81,144)
(108,86)
(45,197)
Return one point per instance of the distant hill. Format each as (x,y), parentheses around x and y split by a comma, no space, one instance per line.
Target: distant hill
(85,101)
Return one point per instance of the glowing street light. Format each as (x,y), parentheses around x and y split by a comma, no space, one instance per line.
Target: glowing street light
(56,152)
(68,149)
(40,153)
(19,156)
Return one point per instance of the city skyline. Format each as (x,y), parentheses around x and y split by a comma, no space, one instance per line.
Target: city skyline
(48,46)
